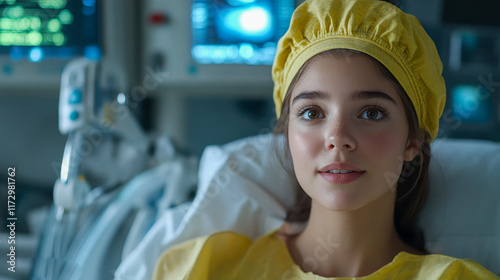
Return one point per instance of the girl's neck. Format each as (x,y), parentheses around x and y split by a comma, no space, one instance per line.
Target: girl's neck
(348,243)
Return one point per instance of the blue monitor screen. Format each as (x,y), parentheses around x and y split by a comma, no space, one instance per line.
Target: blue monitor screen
(479,49)
(238,31)
(54,29)
(472,104)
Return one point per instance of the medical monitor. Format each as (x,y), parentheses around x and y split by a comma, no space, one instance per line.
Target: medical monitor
(474,49)
(472,111)
(238,31)
(39,30)
(39,37)
(215,45)
(472,104)
(471,60)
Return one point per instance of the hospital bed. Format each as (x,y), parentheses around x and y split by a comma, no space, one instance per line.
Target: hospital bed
(133,204)
(243,188)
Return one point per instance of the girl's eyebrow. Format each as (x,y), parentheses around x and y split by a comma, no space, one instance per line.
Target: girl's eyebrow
(310,95)
(362,94)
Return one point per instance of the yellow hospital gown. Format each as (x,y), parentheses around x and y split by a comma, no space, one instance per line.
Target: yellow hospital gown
(228,255)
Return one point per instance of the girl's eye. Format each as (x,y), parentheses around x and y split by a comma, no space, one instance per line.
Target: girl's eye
(310,114)
(374,113)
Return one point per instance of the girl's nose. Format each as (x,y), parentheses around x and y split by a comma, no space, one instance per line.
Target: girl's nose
(338,136)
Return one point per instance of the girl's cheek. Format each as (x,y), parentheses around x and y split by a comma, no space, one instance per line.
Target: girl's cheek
(385,143)
(303,141)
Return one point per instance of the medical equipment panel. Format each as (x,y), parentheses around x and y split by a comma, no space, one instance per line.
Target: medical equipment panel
(474,49)
(45,31)
(106,148)
(34,30)
(37,39)
(225,45)
(236,31)
(472,72)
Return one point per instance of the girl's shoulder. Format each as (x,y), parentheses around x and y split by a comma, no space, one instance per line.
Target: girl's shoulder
(438,266)
(218,242)
(195,258)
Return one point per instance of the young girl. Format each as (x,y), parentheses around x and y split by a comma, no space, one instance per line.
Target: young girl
(359,93)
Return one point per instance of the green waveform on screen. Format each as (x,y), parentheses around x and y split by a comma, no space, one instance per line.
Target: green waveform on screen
(33,22)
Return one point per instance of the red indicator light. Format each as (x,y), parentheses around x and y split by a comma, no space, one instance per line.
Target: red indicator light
(157,18)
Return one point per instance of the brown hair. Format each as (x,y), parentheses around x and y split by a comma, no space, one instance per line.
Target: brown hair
(413,182)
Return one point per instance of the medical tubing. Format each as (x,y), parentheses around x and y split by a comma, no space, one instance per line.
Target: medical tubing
(83,231)
(134,194)
(71,157)
(52,257)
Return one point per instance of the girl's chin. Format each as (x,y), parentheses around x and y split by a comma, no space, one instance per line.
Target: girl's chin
(341,204)
(349,201)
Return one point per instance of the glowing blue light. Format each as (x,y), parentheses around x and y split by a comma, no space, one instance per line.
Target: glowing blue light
(92,52)
(471,104)
(88,3)
(198,52)
(215,53)
(35,55)
(252,24)
(232,52)
(218,55)
(246,51)
(121,98)
(199,16)
(254,20)
(240,2)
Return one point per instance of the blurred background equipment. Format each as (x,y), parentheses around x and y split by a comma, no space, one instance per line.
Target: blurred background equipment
(471,58)
(37,40)
(222,45)
(36,31)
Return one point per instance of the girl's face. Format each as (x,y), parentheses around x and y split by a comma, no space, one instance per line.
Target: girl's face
(347,132)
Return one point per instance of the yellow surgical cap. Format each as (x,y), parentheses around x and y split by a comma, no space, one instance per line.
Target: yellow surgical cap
(377,28)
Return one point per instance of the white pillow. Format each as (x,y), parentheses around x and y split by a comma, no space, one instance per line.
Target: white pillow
(242,188)
(461,217)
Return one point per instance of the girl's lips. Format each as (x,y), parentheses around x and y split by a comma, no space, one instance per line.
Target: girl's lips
(341,178)
(340,166)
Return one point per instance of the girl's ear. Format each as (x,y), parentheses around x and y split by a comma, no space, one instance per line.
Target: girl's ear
(414,146)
